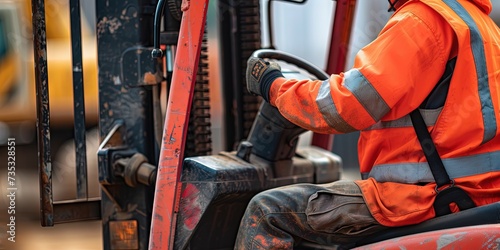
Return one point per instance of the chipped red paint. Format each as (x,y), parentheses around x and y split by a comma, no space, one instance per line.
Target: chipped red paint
(193,213)
(473,237)
(167,193)
(185,5)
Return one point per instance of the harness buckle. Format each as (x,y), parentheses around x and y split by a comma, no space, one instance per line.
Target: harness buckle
(444,187)
(448,194)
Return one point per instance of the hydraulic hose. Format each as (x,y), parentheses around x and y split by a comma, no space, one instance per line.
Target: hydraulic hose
(157,52)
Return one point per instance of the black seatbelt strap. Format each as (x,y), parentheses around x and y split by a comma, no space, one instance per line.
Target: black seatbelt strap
(435,163)
(450,193)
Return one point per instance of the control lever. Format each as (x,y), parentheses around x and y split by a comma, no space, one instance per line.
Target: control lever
(272,136)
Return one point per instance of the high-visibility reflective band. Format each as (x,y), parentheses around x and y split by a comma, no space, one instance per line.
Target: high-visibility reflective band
(420,172)
(329,111)
(430,117)
(489,120)
(366,94)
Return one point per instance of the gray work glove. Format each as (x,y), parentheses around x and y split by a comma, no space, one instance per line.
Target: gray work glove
(260,75)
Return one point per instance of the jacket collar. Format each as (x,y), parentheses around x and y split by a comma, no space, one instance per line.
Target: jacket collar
(484,5)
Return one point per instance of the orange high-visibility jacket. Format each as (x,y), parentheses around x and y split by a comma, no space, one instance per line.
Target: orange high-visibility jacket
(392,76)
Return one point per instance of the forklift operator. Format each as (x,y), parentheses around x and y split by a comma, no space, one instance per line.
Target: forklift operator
(438,57)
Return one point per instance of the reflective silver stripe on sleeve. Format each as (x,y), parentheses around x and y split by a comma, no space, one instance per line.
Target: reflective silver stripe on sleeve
(420,172)
(366,94)
(488,112)
(327,107)
(365,176)
(430,117)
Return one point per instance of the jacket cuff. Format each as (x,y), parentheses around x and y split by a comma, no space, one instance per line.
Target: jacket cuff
(267,81)
(274,90)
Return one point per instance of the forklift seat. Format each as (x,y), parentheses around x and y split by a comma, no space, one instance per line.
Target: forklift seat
(483,215)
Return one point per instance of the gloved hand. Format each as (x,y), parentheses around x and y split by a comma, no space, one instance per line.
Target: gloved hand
(260,75)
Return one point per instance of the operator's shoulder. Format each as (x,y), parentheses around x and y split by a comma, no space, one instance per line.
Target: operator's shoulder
(421,10)
(417,10)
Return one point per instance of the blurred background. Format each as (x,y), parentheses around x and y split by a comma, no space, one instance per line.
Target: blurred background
(311,21)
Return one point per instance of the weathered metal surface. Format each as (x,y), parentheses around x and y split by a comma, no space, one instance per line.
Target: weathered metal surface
(240,36)
(199,137)
(167,193)
(328,166)
(216,190)
(135,170)
(138,69)
(77,210)
(115,140)
(43,113)
(125,26)
(78,101)
(475,237)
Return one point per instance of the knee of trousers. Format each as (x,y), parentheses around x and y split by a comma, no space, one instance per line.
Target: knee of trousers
(264,203)
(286,199)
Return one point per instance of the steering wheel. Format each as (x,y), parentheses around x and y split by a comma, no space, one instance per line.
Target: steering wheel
(272,136)
(289,58)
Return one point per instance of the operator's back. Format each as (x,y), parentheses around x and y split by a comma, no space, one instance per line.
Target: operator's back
(461,112)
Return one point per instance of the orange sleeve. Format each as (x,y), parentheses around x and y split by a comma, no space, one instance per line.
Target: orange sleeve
(391,77)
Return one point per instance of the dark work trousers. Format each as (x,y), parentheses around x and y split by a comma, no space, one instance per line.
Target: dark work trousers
(327,214)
